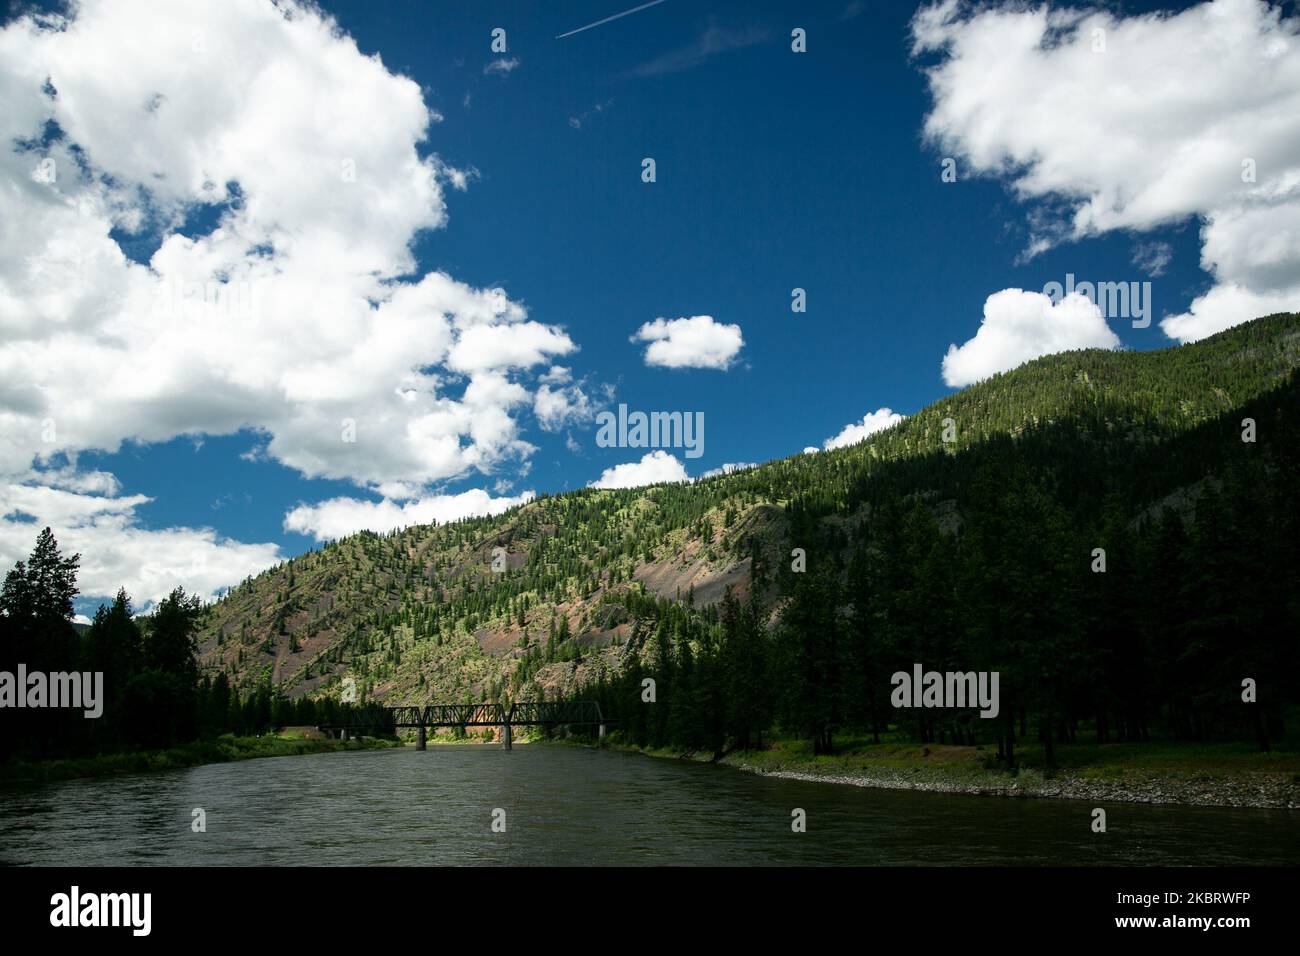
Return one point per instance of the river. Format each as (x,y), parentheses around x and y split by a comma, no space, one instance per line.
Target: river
(565,806)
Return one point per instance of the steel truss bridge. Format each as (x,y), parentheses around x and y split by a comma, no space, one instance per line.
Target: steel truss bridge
(506,716)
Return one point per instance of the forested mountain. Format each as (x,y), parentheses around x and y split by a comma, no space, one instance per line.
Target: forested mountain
(962,538)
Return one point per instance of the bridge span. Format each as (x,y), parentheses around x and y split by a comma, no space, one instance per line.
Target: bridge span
(506,716)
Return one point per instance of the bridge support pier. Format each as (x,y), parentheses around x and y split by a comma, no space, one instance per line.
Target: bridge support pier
(506,738)
(421,738)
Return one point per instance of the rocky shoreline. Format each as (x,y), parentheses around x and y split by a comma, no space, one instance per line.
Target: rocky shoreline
(1276,791)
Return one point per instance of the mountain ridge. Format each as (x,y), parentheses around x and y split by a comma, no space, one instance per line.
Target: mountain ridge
(418,612)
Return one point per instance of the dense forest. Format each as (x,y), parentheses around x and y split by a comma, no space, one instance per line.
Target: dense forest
(1195,597)
(1125,580)
(154,696)
(781,598)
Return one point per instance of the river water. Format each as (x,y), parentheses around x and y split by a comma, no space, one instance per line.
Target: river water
(576,806)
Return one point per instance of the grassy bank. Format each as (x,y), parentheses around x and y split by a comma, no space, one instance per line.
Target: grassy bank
(1211,774)
(223,749)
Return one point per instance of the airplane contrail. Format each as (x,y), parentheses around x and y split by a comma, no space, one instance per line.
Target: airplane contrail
(652,3)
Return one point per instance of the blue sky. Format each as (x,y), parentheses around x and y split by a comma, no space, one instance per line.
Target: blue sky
(774,170)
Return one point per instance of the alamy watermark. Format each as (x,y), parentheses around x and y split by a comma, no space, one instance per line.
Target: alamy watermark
(923,688)
(651,430)
(75,908)
(84,691)
(1116,300)
(176,298)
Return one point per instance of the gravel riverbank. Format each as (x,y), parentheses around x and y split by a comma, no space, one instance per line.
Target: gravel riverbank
(1248,789)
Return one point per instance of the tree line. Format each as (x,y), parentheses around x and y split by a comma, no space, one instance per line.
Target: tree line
(154,693)
(1178,621)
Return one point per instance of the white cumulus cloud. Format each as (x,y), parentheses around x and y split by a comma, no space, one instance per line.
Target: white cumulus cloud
(557,406)
(854,432)
(1019,326)
(115,550)
(695,342)
(340,517)
(653,468)
(1108,122)
(729,468)
(296,311)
